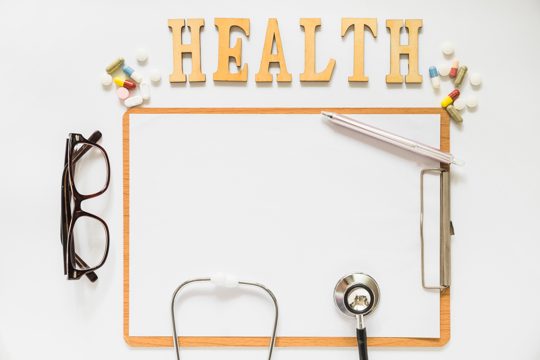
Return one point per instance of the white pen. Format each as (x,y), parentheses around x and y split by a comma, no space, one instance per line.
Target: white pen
(399,141)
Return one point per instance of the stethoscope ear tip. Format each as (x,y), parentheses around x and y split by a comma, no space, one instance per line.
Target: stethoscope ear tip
(224,280)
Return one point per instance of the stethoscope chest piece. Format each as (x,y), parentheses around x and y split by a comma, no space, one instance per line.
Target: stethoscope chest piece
(357,295)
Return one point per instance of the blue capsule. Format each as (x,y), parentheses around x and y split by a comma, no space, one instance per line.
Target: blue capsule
(132,73)
(434,75)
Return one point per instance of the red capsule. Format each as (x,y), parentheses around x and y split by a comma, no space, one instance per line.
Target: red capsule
(454,69)
(449,99)
(125,83)
(129,84)
(454,94)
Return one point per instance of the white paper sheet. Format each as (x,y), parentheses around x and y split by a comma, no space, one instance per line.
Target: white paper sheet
(289,201)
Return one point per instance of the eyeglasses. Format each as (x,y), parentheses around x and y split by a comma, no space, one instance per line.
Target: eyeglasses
(84,236)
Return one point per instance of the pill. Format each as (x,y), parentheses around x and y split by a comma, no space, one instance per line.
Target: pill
(132,73)
(462,71)
(106,79)
(434,75)
(475,79)
(155,76)
(449,99)
(447,48)
(472,101)
(115,65)
(444,69)
(125,83)
(142,55)
(122,93)
(144,89)
(459,104)
(133,101)
(454,114)
(454,68)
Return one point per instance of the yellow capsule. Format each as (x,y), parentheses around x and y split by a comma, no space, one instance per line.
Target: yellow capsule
(118,81)
(446,101)
(449,99)
(125,83)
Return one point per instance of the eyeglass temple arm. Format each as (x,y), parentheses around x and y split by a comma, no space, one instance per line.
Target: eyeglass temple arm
(90,275)
(95,137)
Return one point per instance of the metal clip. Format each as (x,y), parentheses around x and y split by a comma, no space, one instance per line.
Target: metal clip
(446,228)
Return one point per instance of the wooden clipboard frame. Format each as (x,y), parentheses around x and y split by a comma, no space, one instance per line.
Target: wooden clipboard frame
(284,341)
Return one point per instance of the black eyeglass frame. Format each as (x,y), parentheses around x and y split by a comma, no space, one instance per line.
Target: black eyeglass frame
(74,266)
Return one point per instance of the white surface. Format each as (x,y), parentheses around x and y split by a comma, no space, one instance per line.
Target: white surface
(495,196)
(290,201)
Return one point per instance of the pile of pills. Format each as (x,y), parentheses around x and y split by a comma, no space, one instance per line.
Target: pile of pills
(128,80)
(452,102)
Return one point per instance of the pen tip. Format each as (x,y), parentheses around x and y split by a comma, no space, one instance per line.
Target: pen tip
(327,114)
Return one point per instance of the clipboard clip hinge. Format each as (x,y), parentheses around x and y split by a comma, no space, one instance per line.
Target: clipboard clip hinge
(446,229)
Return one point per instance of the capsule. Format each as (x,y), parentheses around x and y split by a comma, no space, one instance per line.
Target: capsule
(462,71)
(145,90)
(132,73)
(449,99)
(454,69)
(434,75)
(454,113)
(133,101)
(125,83)
(115,65)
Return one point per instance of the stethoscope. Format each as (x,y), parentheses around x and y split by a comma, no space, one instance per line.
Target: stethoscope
(221,280)
(357,295)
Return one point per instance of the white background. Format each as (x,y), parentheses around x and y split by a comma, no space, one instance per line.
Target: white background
(53,52)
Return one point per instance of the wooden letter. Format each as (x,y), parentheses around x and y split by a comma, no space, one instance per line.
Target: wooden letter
(225,52)
(179,49)
(310,73)
(358,25)
(396,50)
(264,75)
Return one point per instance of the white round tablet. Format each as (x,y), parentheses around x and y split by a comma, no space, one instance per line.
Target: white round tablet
(106,79)
(155,76)
(444,69)
(472,101)
(447,48)
(141,54)
(475,79)
(459,104)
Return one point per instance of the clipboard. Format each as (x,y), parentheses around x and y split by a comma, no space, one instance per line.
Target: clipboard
(284,341)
